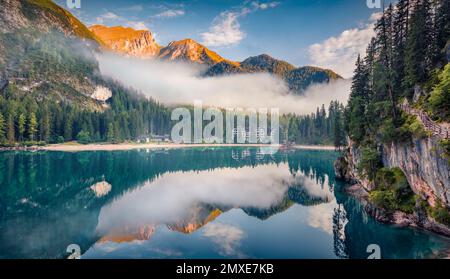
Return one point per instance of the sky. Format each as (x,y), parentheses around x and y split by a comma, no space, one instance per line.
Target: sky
(325,33)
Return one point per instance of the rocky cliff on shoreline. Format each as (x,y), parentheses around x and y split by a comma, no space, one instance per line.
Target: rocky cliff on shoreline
(427,172)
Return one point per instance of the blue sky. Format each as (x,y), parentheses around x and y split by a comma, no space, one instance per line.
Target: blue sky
(327,33)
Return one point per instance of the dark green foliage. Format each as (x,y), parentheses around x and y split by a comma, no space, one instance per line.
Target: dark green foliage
(57,71)
(439,100)
(404,53)
(59,139)
(392,191)
(370,162)
(83,137)
(439,213)
(2,128)
(132,114)
(419,40)
(319,127)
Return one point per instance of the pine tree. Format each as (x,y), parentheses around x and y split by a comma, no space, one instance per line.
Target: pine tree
(442,31)
(21,125)
(68,131)
(10,128)
(117,134)
(110,133)
(417,60)
(2,128)
(357,103)
(400,30)
(45,124)
(337,131)
(32,126)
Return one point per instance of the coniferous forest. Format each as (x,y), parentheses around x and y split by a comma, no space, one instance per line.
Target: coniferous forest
(320,128)
(23,119)
(46,110)
(406,67)
(406,60)
(36,107)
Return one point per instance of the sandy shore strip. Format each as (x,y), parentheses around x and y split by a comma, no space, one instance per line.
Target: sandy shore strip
(130,146)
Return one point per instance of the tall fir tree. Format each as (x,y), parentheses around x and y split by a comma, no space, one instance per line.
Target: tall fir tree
(419,39)
(21,122)
(32,126)
(2,128)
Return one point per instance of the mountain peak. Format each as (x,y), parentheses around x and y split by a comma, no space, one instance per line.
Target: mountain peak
(191,51)
(298,79)
(126,40)
(266,63)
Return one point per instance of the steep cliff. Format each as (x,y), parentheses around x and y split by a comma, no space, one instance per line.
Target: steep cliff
(137,43)
(427,173)
(421,160)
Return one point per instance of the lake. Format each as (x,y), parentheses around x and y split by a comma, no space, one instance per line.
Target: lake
(228,202)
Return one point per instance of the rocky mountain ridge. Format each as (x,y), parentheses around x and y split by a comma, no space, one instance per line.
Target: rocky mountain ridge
(136,43)
(188,50)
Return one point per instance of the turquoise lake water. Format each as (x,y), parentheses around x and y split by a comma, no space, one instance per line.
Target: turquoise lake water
(190,203)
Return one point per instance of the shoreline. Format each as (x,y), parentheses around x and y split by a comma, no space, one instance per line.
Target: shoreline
(132,146)
(396,218)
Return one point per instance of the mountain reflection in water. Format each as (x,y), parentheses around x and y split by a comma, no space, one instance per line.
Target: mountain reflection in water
(189,203)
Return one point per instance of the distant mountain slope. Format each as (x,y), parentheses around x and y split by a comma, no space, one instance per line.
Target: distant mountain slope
(42,15)
(298,79)
(45,51)
(265,63)
(137,43)
(31,52)
(190,51)
(50,77)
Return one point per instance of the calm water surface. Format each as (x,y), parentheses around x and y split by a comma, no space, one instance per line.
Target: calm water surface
(190,203)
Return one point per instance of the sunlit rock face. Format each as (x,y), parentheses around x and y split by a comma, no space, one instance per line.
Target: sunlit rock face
(135,43)
(101,189)
(189,50)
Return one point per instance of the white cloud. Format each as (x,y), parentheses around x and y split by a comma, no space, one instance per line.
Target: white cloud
(174,197)
(264,6)
(169,14)
(340,53)
(107,16)
(226,237)
(178,83)
(226,30)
